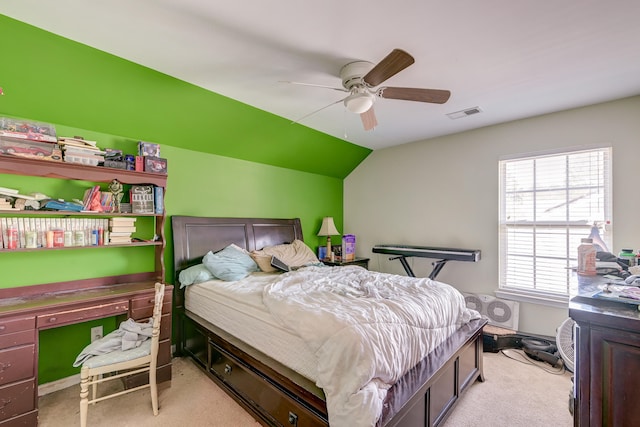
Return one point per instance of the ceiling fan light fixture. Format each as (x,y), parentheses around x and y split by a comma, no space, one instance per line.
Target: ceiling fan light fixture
(359,102)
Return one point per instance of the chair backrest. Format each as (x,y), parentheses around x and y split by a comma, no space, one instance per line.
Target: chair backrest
(157,307)
(157,315)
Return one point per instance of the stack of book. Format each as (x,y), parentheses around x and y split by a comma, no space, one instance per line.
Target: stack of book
(78,150)
(5,204)
(6,197)
(96,200)
(120,230)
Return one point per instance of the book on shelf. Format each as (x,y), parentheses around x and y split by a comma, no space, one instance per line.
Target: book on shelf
(120,233)
(92,199)
(121,229)
(141,198)
(122,222)
(77,141)
(5,204)
(119,240)
(127,220)
(40,232)
(158,199)
(8,191)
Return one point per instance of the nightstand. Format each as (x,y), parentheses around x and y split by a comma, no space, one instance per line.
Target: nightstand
(362,262)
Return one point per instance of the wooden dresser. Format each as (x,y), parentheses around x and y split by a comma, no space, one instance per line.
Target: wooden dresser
(53,305)
(607,368)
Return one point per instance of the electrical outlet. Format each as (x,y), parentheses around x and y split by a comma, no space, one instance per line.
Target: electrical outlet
(96,333)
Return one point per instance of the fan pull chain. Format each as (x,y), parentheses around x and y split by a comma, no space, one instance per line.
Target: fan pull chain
(344,123)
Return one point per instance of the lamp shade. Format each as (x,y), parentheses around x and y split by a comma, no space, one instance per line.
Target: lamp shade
(328,227)
(359,102)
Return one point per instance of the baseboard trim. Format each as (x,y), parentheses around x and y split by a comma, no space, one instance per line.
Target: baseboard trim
(58,385)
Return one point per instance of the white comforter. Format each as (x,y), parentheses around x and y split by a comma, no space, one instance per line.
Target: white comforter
(366,328)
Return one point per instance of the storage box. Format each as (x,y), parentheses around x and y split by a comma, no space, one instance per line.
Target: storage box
(81,159)
(25,129)
(141,198)
(31,149)
(155,164)
(148,149)
(348,247)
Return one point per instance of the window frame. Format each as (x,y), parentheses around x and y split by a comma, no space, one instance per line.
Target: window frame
(563,293)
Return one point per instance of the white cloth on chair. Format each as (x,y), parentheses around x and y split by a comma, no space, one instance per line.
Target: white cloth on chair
(129,335)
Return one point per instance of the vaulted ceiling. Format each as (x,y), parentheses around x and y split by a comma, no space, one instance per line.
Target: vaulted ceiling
(509,59)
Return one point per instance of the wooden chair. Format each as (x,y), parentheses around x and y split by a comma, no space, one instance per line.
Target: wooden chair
(140,359)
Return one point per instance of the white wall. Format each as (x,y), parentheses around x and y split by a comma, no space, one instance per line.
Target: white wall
(444,192)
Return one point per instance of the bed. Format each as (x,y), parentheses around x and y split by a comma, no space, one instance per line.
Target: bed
(277,386)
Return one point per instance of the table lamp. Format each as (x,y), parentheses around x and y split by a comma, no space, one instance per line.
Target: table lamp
(328,228)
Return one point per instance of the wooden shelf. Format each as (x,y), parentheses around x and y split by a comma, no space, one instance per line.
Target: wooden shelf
(50,169)
(127,245)
(73,213)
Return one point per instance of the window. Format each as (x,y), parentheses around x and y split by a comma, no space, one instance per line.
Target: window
(547,204)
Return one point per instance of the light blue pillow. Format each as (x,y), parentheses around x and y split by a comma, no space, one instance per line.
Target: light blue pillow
(230,264)
(194,274)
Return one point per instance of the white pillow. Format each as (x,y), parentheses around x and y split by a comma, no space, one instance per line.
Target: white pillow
(295,254)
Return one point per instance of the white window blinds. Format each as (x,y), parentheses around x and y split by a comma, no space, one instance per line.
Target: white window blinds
(547,204)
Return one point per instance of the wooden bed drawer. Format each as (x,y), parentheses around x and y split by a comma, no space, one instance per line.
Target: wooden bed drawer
(195,342)
(17,399)
(17,363)
(278,405)
(82,314)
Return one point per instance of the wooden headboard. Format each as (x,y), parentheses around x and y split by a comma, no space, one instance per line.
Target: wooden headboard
(194,236)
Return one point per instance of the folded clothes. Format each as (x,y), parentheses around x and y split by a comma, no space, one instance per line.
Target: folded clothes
(130,334)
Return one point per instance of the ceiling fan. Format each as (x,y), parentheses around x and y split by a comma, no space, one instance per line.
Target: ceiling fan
(360,78)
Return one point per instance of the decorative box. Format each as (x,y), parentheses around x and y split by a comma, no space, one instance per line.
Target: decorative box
(155,164)
(148,149)
(25,129)
(348,247)
(31,149)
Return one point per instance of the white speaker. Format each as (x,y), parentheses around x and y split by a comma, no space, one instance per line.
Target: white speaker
(500,312)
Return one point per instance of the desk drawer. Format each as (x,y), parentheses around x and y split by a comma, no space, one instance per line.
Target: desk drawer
(18,338)
(83,314)
(17,399)
(9,326)
(142,308)
(17,363)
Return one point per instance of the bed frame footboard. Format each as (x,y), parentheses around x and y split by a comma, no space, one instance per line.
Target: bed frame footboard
(277,396)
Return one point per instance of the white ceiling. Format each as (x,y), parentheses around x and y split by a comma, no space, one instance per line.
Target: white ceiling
(513,59)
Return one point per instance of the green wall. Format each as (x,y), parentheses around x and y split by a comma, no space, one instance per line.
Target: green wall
(52,79)
(224,158)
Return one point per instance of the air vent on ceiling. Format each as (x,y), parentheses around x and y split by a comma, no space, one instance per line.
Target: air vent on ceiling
(464,113)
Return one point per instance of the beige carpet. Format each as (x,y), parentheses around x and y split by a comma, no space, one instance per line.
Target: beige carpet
(513,394)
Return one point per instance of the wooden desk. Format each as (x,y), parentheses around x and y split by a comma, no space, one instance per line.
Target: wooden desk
(24,311)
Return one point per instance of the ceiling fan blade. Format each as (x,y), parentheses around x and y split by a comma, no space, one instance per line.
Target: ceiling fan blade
(434,96)
(318,110)
(369,120)
(391,65)
(314,85)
